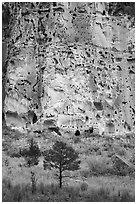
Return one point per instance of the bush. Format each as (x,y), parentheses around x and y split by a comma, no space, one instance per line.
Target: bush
(110,153)
(132,159)
(97,168)
(120,168)
(32,154)
(77,139)
(15,193)
(73,192)
(85,173)
(100,166)
(41,188)
(99,152)
(96,148)
(6,183)
(15,153)
(120,151)
(126,197)
(84,186)
(103,193)
(54,189)
(51,189)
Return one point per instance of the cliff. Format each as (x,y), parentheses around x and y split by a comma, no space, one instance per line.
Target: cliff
(69,65)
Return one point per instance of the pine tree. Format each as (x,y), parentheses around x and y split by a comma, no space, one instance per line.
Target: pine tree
(31,156)
(61,157)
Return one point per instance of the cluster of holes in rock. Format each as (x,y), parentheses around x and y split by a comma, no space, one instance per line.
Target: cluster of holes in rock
(37,29)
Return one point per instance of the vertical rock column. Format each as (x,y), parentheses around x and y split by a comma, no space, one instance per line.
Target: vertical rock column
(23,85)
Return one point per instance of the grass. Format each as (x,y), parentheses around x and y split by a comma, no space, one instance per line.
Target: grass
(102,187)
(97,180)
(52,192)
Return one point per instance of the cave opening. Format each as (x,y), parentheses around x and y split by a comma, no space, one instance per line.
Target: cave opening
(77,133)
(34,120)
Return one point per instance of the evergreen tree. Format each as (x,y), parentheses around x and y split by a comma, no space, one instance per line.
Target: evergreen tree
(62,158)
(32,154)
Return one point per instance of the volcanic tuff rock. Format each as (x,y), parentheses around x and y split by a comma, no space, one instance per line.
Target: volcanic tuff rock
(68,64)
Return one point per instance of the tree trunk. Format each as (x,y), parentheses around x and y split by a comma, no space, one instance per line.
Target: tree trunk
(60,177)
(33,182)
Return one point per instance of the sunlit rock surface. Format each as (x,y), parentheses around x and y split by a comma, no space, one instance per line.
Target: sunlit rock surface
(70,65)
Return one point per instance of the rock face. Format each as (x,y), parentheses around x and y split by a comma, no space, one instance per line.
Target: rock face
(71,65)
